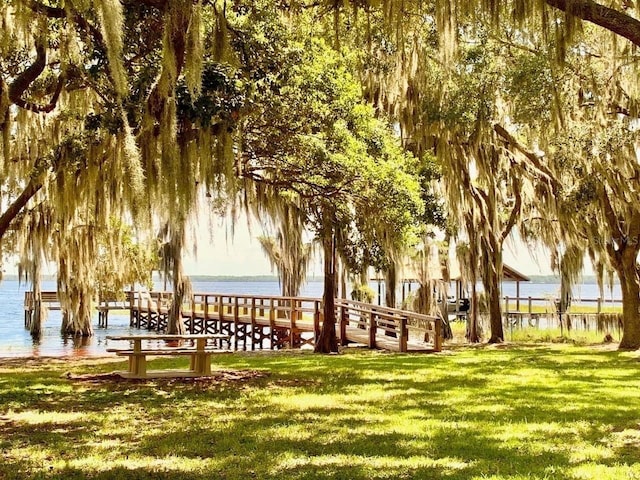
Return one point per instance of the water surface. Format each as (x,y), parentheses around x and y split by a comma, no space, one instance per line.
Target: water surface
(15,341)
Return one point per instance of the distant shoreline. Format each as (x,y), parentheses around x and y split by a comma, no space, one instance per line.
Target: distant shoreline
(193,278)
(550,279)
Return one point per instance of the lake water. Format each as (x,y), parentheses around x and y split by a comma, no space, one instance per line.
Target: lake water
(15,341)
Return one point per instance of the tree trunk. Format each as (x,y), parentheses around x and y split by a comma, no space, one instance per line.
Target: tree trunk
(175,324)
(76,318)
(491,278)
(327,341)
(37,318)
(629,282)
(391,281)
(472,319)
(38,314)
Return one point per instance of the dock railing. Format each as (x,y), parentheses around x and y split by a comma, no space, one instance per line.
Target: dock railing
(304,314)
(582,312)
(378,322)
(51,301)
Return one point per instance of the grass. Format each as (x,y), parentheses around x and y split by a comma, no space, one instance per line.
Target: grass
(513,412)
(528,334)
(555,335)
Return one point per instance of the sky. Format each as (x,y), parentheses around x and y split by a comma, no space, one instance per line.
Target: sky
(223,253)
(237,253)
(219,253)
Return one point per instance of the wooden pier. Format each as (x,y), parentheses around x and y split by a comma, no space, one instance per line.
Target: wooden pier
(584,314)
(257,322)
(50,301)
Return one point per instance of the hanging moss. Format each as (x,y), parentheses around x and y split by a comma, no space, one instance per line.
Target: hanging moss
(195,52)
(111,21)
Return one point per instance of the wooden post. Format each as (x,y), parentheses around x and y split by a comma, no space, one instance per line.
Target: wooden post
(137,362)
(344,320)
(27,310)
(316,321)
(437,335)
(131,299)
(253,325)
(372,330)
(599,305)
(236,311)
(193,316)
(506,311)
(139,312)
(530,310)
(292,323)
(404,334)
(518,296)
(272,321)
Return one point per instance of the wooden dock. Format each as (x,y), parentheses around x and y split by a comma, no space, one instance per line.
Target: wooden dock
(50,301)
(257,322)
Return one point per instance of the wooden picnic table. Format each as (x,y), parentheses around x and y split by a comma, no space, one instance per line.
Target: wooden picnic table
(199,353)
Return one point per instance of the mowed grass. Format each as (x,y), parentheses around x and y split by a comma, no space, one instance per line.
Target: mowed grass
(528,334)
(511,412)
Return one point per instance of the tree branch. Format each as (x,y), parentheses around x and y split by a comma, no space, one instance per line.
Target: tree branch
(34,107)
(513,217)
(533,158)
(83,23)
(177,24)
(48,11)
(609,18)
(313,190)
(34,185)
(159,4)
(26,78)
(610,215)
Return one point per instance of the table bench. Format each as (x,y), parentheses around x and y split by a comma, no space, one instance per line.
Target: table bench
(199,352)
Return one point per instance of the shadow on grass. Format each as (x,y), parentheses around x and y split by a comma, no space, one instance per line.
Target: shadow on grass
(361,415)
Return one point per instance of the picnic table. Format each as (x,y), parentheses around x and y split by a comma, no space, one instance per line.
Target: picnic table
(197,347)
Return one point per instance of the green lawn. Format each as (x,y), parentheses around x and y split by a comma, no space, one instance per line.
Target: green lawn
(513,412)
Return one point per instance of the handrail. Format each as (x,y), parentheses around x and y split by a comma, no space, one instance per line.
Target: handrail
(380,308)
(392,321)
(52,297)
(574,300)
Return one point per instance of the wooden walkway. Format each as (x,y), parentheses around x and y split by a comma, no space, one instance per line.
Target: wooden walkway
(50,301)
(258,322)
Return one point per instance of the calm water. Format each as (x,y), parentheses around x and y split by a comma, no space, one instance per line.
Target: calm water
(15,341)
